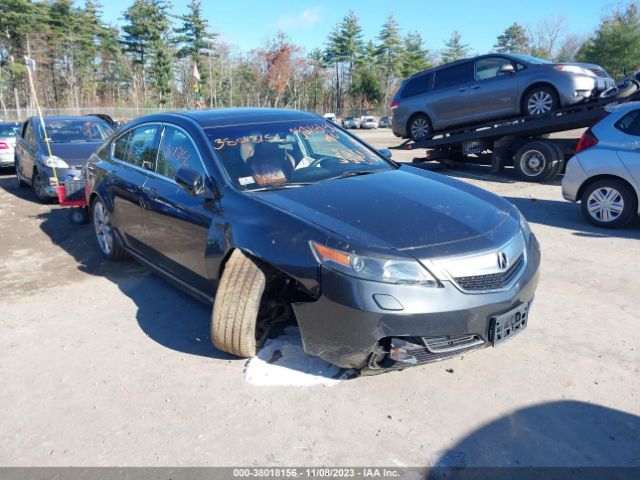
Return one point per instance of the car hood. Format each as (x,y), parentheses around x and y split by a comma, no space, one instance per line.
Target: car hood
(75,154)
(408,209)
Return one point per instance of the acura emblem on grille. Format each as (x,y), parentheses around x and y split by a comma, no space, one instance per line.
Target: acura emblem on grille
(503,262)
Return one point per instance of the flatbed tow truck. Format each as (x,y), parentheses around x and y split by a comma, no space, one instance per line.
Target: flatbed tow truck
(520,141)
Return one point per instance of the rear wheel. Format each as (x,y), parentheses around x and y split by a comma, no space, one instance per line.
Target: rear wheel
(540,101)
(537,161)
(420,128)
(609,203)
(105,236)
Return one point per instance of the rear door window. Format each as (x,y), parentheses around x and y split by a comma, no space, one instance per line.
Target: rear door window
(177,150)
(454,76)
(141,147)
(630,123)
(417,85)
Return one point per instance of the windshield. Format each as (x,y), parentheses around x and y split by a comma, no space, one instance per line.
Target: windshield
(283,154)
(76,131)
(530,59)
(9,129)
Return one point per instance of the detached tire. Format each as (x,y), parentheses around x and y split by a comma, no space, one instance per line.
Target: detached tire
(537,161)
(609,203)
(236,307)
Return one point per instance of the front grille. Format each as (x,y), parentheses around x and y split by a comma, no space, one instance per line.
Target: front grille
(417,350)
(491,281)
(598,72)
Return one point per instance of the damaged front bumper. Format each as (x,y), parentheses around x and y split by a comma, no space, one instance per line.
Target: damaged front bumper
(364,324)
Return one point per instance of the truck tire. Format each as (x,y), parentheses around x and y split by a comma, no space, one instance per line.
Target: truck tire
(536,161)
(235,310)
(609,203)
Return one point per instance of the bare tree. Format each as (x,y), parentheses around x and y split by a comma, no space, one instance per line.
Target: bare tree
(545,37)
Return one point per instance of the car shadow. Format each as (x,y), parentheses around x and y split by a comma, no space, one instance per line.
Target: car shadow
(165,314)
(9,183)
(561,214)
(561,439)
(472,171)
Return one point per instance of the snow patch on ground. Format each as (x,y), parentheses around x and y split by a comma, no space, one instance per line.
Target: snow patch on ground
(282,361)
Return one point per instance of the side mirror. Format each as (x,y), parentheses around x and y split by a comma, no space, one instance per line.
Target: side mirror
(507,68)
(191,180)
(385,152)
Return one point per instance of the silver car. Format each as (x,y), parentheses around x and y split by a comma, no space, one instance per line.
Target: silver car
(604,174)
(8,132)
(490,87)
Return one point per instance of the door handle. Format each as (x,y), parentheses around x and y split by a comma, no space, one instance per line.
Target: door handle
(152,192)
(462,90)
(475,87)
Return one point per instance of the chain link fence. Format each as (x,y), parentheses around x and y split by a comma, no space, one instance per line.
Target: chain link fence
(117,113)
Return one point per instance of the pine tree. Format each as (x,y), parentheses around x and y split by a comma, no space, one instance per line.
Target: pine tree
(389,52)
(513,40)
(343,50)
(454,48)
(616,44)
(145,39)
(194,38)
(415,57)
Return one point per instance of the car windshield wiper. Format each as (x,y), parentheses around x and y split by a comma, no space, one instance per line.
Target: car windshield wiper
(352,173)
(280,186)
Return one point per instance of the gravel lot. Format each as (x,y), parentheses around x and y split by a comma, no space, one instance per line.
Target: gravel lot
(105,364)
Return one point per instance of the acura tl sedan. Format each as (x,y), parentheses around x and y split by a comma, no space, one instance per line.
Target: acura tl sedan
(276,216)
(71,140)
(490,87)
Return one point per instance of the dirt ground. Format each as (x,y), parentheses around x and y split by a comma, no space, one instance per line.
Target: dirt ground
(107,365)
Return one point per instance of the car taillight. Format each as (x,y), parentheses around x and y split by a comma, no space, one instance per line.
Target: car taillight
(4,146)
(587,140)
(395,105)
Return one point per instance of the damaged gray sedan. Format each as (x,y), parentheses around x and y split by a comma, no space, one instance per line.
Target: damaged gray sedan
(279,215)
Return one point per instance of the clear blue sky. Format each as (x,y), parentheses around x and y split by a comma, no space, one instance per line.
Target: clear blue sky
(248,24)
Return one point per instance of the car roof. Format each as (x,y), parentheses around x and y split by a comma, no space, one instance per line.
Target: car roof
(623,107)
(240,116)
(463,60)
(61,118)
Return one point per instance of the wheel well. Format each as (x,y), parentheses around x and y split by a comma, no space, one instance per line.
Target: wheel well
(536,85)
(596,178)
(293,292)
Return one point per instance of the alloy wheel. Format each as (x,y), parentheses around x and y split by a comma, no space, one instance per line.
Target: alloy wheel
(419,128)
(102,226)
(605,204)
(539,103)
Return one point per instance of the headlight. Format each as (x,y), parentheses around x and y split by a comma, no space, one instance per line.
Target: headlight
(524,225)
(387,270)
(54,161)
(574,69)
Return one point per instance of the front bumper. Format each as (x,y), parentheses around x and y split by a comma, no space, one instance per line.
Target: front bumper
(62,173)
(348,328)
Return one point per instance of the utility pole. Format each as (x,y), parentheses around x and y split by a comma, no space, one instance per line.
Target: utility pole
(33,90)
